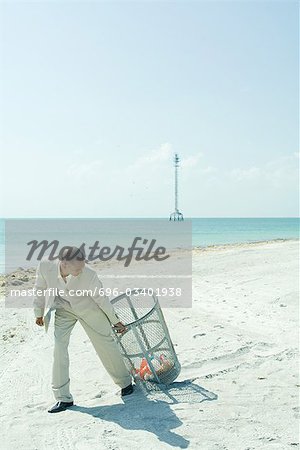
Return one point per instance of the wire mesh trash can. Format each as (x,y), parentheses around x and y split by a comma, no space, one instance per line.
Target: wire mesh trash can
(146,346)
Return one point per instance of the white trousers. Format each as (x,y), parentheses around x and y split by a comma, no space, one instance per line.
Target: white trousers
(98,329)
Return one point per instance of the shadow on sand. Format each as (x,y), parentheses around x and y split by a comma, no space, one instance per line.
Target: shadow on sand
(148,408)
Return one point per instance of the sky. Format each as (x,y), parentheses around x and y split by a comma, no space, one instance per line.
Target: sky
(96,97)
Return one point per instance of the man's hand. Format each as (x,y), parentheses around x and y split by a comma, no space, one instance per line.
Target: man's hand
(39,321)
(120,327)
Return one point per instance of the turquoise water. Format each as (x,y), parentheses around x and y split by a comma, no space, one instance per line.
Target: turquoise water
(217,231)
(211,231)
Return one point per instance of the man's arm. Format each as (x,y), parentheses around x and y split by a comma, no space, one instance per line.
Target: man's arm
(39,300)
(102,300)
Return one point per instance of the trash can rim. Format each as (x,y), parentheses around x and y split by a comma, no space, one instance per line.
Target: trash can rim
(114,300)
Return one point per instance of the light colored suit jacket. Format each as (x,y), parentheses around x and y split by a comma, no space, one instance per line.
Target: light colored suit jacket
(46,284)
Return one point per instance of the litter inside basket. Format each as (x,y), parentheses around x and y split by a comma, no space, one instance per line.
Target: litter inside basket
(146,346)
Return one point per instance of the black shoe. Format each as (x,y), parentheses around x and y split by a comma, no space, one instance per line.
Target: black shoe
(60,406)
(127,390)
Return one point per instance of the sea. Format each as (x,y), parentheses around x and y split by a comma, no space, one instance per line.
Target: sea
(219,231)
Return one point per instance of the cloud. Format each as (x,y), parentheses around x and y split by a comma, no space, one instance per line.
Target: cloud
(282,171)
(277,173)
(191,161)
(247,174)
(154,171)
(163,153)
(84,170)
(209,170)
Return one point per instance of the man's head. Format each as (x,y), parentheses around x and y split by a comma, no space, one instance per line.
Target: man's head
(72,260)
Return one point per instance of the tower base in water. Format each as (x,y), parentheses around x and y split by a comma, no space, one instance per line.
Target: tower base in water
(176,215)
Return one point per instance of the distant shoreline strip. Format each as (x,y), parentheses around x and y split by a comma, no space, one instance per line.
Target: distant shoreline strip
(196,248)
(242,244)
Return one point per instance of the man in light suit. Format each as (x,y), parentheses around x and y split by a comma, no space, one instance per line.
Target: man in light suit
(69,275)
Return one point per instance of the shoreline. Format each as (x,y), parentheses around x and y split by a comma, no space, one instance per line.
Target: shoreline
(213,247)
(24,277)
(195,248)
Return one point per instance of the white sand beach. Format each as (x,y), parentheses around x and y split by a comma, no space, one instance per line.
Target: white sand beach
(238,388)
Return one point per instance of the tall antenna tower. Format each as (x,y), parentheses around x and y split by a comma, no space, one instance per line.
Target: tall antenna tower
(176,215)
